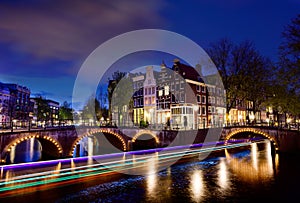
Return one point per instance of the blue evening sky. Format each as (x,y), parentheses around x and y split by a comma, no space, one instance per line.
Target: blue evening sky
(44,43)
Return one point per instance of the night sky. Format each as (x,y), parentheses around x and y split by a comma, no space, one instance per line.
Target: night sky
(44,43)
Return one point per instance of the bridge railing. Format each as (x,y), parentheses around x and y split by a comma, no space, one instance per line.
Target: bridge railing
(27,126)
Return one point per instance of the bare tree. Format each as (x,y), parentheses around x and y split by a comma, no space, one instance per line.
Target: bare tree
(243,71)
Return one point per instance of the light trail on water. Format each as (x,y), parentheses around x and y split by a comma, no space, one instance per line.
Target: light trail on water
(106,166)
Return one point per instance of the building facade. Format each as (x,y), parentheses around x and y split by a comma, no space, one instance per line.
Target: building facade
(15,104)
(45,112)
(138,98)
(150,96)
(180,97)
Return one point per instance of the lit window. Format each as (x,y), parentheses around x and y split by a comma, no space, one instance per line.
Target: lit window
(167,90)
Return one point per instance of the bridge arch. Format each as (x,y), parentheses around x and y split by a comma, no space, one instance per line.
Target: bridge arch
(48,143)
(256,131)
(142,132)
(92,132)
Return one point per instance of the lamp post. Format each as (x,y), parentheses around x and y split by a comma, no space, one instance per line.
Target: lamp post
(288,122)
(251,117)
(268,120)
(101,121)
(278,115)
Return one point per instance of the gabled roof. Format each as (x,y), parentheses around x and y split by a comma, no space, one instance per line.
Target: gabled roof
(186,71)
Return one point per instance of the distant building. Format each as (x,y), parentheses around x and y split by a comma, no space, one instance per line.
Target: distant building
(138,98)
(44,112)
(164,96)
(4,105)
(15,103)
(191,109)
(150,96)
(54,111)
(181,97)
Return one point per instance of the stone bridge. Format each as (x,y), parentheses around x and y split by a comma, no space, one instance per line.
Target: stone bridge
(61,142)
(283,140)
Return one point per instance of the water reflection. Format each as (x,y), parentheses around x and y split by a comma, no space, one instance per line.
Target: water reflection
(229,176)
(223,179)
(27,151)
(151,165)
(87,146)
(250,170)
(269,158)
(73,166)
(197,185)
(57,168)
(254,155)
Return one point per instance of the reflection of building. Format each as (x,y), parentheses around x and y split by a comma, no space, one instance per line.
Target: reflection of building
(15,103)
(149,96)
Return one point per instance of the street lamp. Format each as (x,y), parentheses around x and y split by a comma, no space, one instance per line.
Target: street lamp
(288,122)
(251,116)
(268,120)
(240,118)
(195,114)
(14,123)
(278,115)
(102,120)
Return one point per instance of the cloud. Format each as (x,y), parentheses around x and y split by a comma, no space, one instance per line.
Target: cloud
(69,30)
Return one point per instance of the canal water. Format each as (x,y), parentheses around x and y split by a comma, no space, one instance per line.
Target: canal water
(244,174)
(247,174)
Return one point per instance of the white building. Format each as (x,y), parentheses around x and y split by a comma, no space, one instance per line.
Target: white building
(149,96)
(4,106)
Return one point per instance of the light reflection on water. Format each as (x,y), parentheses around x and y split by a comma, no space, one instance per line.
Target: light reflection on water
(196,185)
(27,151)
(151,178)
(225,176)
(200,180)
(259,166)
(223,179)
